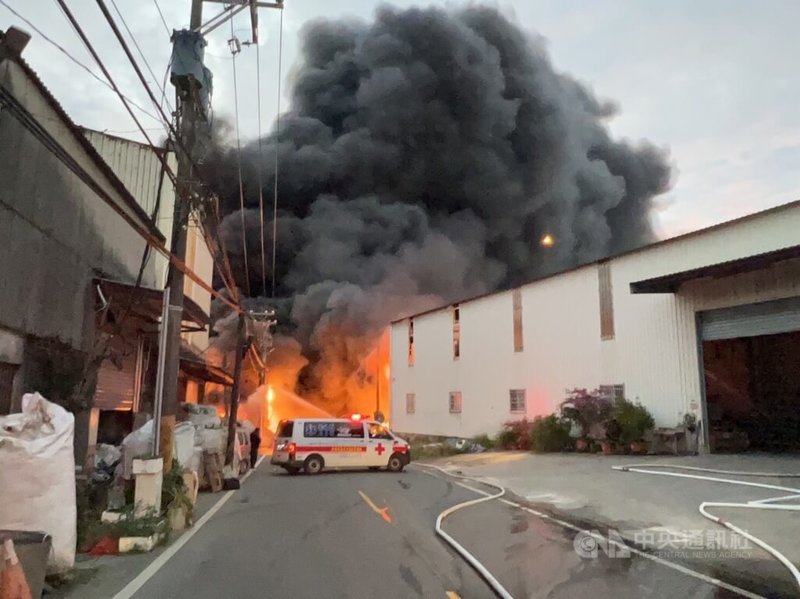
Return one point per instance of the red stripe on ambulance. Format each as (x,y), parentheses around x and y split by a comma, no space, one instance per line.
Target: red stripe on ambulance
(331,448)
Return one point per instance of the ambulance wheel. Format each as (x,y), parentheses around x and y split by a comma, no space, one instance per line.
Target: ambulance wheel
(396,463)
(313,464)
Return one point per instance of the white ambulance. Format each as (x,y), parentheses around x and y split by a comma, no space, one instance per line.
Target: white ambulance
(312,444)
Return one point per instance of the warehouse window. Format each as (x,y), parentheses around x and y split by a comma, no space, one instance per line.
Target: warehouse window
(606,301)
(455,402)
(7,372)
(456,332)
(517,402)
(613,392)
(411,403)
(517,301)
(410,341)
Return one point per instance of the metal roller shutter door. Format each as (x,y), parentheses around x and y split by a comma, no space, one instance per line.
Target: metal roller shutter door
(115,386)
(751,320)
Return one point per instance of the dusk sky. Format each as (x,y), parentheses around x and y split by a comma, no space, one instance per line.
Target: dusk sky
(714,81)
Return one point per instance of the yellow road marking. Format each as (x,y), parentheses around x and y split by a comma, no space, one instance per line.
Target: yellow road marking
(382,512)
(452,595)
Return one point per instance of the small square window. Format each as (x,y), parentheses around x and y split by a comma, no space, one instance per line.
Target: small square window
(411,403)
(517,404)
(613,392)
(455,402)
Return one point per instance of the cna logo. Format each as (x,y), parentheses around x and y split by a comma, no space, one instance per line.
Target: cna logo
(589,543)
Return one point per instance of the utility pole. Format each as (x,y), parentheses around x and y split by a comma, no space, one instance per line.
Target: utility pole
(261,323)
(242,345)
(191,85)
(187,123)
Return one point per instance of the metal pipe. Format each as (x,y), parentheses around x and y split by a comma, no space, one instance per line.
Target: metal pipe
(158,401)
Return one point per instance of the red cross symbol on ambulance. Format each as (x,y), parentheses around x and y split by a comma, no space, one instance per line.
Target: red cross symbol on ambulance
(380,448)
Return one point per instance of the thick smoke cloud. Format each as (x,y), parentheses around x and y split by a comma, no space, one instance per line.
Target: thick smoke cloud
(424,156)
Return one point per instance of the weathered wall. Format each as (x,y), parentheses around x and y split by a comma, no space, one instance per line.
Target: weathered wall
(653,352)
(56,233)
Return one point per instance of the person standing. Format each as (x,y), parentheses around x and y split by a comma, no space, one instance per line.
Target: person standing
(255,441)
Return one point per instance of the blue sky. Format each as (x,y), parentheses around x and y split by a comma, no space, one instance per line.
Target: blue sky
(715,81)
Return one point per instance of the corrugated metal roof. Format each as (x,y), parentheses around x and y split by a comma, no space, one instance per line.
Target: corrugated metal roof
(136,165)
(671,282)
(735,221)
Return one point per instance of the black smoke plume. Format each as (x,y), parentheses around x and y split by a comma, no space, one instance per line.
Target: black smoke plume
(424,156)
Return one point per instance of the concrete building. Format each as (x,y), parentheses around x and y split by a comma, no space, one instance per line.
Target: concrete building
(81,297)
(126,380)
(707,323)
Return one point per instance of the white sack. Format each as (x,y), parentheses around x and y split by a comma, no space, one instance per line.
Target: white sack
(184,443)
(140,443)
(37,475)
(136,444)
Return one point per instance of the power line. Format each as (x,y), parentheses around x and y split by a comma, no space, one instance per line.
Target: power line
(235,48)
(277,150)
(144,58)
(49,40)
(163,20)
(79,31)
(177,140)
(258,170)
(32,124)
(173,131)
(87,43)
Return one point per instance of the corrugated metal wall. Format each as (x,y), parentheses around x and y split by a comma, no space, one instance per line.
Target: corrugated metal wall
(653,351)
(139,169)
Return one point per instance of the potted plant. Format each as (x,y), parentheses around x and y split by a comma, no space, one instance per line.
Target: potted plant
(690,431)
(610,442)
(635,422)
(176,498)
(586,410)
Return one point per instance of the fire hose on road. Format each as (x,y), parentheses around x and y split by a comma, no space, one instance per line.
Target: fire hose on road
(772,503)
(495,584)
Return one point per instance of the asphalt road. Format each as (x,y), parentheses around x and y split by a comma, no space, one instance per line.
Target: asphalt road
(370,535)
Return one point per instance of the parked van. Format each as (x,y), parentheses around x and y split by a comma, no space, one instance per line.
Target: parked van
(313,444)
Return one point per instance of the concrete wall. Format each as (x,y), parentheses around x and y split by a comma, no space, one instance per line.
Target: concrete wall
(198,258)
(56,233)
(653,352)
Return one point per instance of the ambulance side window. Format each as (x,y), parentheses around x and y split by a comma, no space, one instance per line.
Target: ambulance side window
(285,429)
(350,430)
(355,430)
(376,431)
(319,429)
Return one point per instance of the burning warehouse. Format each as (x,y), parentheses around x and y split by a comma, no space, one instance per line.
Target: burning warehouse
(706,325)
(424,157)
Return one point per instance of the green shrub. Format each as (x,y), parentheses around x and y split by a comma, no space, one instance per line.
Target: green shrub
(586,409)
(432,450)
(484,440)
(507,439)
(634,420)
(550,433)
(515,434)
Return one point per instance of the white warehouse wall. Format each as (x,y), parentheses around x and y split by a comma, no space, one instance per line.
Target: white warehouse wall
(654,351)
